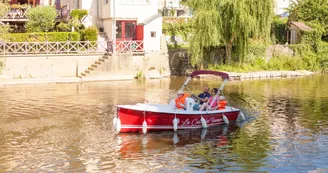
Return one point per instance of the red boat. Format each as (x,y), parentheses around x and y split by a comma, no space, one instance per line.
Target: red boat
(148,117)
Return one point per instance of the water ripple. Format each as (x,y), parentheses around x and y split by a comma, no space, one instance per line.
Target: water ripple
(68,128)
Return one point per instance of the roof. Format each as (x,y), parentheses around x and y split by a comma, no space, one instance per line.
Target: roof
(301,26)
(151,18)
(86,18)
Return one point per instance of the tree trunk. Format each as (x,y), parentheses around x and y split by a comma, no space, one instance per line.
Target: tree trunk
(228,50)
(227,58)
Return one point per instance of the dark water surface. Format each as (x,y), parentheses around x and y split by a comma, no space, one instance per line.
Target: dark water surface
(68,128)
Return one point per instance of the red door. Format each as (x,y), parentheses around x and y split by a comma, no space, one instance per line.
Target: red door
(125,33)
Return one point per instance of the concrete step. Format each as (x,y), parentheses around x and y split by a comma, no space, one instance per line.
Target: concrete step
(87,71)
(105,57)
(98,62)
(94,65)
(101,59)
(83,74)
(90,68)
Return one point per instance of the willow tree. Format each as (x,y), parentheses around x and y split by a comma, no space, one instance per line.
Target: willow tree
(229,23)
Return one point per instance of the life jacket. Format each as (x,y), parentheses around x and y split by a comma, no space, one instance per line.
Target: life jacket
(222,104)
(180,101)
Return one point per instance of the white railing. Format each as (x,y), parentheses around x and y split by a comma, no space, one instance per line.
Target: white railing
(69,47)
(130,46)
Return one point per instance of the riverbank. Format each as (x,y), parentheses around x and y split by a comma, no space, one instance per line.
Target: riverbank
(233,75)
(268,74)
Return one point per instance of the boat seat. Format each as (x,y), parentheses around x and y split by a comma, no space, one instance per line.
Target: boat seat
(190,104)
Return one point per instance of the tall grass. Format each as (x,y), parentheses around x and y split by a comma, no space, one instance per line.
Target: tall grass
(309,62)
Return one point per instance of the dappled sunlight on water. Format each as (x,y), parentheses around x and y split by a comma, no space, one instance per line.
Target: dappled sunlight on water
(68,128)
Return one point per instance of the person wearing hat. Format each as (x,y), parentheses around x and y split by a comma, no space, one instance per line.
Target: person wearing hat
(180,101)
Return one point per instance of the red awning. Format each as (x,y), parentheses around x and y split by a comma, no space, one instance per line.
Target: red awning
(209,72)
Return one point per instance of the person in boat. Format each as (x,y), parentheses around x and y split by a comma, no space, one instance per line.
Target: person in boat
(222,103)
(180,101)
(202,97)
(206,105)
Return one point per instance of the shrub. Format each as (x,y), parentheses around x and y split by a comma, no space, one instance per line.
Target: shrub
(3,9)
(4,29)
(41,19)
(79,14)
(279,30)
(63,27)
(90,34)
(42,37)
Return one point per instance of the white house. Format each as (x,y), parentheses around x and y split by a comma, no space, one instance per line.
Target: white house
(135,20)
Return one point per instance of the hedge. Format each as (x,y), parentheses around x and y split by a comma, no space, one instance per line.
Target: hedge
(43,37)
(90,34)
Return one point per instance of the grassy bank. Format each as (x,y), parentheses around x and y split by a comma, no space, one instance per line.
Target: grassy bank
(305,57)
(276,63)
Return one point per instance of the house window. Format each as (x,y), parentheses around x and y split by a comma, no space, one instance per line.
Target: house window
(153,34)
(126,29)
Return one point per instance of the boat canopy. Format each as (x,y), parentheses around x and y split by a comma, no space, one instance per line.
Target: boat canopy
(209,72)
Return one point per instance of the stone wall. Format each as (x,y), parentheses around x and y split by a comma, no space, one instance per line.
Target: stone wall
(129,66)
(46,66)
(179,62)
(125,66)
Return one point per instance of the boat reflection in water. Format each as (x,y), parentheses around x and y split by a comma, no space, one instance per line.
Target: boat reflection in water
(135,145)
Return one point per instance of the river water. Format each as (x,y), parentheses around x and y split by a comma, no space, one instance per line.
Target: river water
(68,128)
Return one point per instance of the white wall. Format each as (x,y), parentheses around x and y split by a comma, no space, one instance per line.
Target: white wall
(151,43)
(280,5)
(137,8)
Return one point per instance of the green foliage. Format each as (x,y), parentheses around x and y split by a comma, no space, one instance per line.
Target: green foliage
(310,11)
(229,23)
(3,9)
(79,13)
(41,19)
(42,37)
(285,63)
(76,24)
(305,58)
(177,27)
(63,27)
(140,75)
(257,50)
(90,34)
(259,64)
(311,37)
(4,30)
(300,49)
(279,30)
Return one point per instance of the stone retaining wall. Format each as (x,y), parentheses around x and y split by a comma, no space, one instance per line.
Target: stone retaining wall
(50,66)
